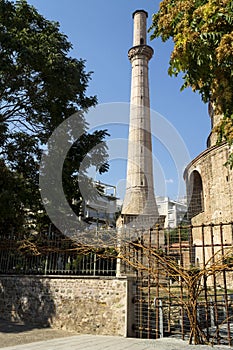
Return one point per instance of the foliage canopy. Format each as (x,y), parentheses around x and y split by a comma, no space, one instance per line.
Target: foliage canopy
(40,87)
(202,31)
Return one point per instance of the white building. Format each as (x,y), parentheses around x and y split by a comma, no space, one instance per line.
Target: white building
(175,211)
(101,210)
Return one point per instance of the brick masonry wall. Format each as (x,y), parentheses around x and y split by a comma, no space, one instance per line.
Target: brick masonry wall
(85,305)
(217,181)
(217,200)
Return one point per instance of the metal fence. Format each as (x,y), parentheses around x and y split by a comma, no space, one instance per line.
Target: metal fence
(54,255)
(184,280)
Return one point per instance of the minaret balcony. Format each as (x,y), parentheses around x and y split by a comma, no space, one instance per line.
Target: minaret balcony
(140,51)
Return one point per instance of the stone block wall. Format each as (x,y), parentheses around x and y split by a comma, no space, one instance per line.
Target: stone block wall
(94,305)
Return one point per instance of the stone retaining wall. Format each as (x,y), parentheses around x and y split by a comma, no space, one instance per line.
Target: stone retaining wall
(95,305)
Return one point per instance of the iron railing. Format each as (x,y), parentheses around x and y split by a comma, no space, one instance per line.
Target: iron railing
(54,255)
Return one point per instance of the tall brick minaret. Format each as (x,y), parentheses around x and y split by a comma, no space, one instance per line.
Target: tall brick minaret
(139,198)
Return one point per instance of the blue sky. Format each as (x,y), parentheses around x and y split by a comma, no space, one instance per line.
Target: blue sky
(101,33)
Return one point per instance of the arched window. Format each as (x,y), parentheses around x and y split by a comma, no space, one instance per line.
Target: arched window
(141,41)
(195,194)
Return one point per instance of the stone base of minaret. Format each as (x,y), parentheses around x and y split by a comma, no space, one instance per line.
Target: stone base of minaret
(141,222)
(131,228)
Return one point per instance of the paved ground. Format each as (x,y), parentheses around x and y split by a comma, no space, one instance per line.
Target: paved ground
(91,342)
(19,337)
(12,333)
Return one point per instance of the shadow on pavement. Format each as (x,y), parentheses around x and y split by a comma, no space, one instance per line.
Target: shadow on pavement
(16,327)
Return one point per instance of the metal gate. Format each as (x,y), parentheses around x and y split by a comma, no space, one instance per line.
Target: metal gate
(157,314)
(162,301)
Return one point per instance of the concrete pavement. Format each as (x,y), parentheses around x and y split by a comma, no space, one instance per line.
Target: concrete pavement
(92,342)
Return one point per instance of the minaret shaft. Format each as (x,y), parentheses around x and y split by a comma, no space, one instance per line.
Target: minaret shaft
(139,198)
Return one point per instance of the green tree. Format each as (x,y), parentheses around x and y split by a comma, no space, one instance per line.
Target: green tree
(11,218)
(202,32)
(40,87)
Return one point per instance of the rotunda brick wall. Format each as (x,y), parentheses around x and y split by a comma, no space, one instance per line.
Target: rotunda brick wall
(210,187)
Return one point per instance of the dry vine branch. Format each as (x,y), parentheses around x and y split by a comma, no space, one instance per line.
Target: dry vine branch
(191,278)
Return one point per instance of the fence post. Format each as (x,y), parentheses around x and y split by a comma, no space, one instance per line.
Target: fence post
(203,231)
(47,257)
(212,321)
(225,287)
(161,318)
(157,285)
